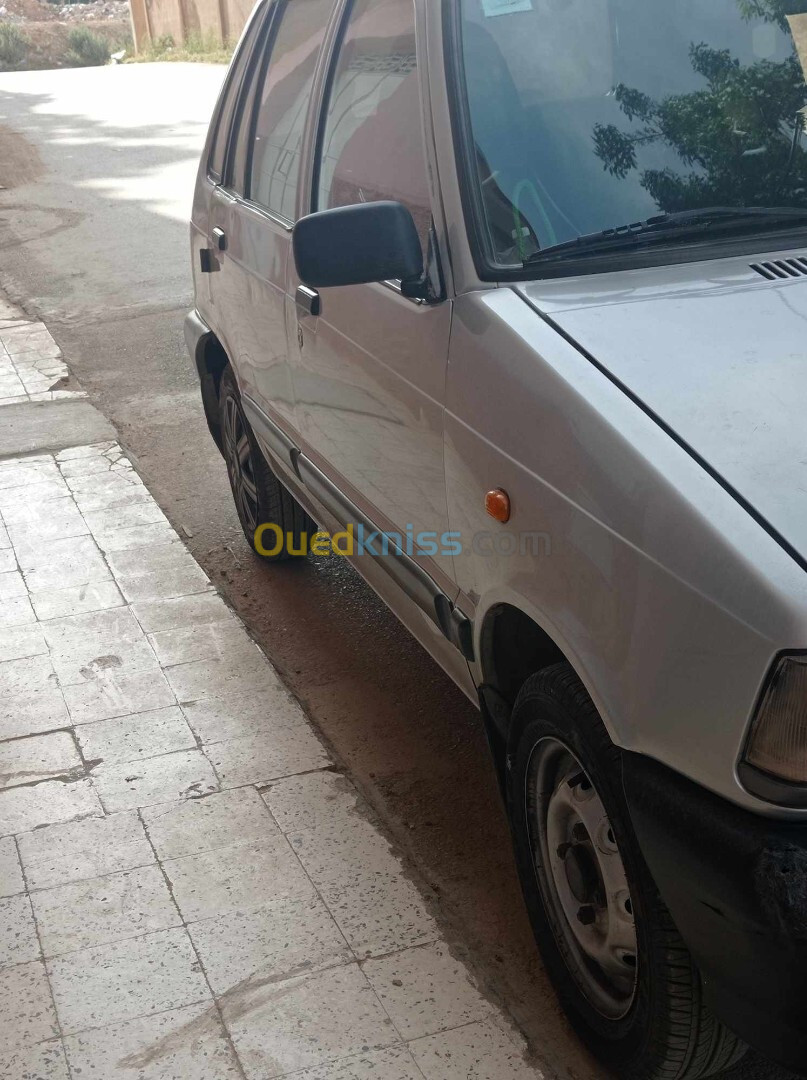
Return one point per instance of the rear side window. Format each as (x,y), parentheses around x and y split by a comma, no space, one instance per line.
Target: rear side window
(224,118)
(283,104)
(372,141)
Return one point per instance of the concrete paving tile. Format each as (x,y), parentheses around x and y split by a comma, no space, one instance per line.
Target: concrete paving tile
(258,758)
(43,492)
(128,738)
(125,494)
(282,939)
(8,560)
(26,808)
(196,825)
(26,1006)
(482,1051)
(5,543)
(44,1061)
(12,585)
(94,450)
(100,910)
(92,631)
(236,716)
(11,881)
(26,676)
(19,642)
(395,1063)
(239,877)
(313,802)
(11,386)
(101,491)
(30,698)
(165,583)
(183,775)
(77,850)
(27,472)
(210,641)
(305,1022)
(183,1044)
(94,463)
(150,559)
(60,564)
(216,821)
(77,600)
(130,978)
(95,659)
(38,757)
(426,990)
(124,517)
(137,536)
(158,615)
(114,693)
(59,519)
(250,673)
(378,910)
(27,508)
(18,940)
(16,612)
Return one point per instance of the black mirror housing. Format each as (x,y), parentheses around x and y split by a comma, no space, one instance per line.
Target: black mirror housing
(356,245)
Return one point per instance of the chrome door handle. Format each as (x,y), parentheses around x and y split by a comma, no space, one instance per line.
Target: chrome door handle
(309,300)
(220,239)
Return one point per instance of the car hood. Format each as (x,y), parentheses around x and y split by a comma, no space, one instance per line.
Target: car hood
(719,355)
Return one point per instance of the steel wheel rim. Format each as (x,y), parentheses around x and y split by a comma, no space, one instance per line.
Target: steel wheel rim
(238,454)
(582,878)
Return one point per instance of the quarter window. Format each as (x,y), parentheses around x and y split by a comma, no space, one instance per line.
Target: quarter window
(284,98)
(372,141)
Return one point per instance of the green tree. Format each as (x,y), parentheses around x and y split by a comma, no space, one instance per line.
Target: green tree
(739,139)
(772,10)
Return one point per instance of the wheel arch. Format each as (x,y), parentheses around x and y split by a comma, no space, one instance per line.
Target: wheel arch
(211,359)
(512,646)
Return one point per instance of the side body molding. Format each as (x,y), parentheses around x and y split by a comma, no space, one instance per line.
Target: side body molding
(408,575)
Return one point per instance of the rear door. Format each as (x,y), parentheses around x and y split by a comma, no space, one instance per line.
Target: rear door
(369,371)
(258,207)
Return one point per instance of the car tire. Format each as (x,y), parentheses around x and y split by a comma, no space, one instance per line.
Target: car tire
(260,498)
(618,964)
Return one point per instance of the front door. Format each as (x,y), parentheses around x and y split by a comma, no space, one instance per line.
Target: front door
(369,370)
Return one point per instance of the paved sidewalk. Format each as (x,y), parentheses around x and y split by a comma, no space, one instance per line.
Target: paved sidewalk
(31,364)
(189,888)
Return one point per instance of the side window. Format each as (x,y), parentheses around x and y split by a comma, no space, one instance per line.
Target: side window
(372,140)
(284,97)
(229,98)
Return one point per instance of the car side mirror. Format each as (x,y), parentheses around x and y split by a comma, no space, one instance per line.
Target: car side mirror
(356,245)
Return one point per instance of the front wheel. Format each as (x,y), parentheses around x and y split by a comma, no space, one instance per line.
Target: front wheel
(619,966)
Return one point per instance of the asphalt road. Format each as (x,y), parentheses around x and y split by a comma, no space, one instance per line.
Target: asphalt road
(97,167)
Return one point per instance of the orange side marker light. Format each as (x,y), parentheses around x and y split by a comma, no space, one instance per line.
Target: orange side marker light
(497,504)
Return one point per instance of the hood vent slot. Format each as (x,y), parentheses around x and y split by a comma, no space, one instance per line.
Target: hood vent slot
(781,269)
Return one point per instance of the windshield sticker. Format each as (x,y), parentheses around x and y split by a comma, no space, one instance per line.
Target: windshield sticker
(491,8)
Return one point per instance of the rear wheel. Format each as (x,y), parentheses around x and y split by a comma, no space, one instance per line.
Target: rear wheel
(620,968)
(260,498)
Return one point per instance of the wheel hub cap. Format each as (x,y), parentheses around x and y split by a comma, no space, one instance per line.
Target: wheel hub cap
(583,880)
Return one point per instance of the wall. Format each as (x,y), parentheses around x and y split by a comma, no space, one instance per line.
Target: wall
(221,19)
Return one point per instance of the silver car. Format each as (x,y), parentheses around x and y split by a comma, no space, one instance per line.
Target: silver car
(509,297)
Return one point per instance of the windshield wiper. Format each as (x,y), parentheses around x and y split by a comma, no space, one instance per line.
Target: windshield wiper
(672,227)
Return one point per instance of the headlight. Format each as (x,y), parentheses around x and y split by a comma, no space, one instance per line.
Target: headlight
(778,740)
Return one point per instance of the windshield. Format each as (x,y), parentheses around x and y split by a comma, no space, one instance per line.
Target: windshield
(589,115)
